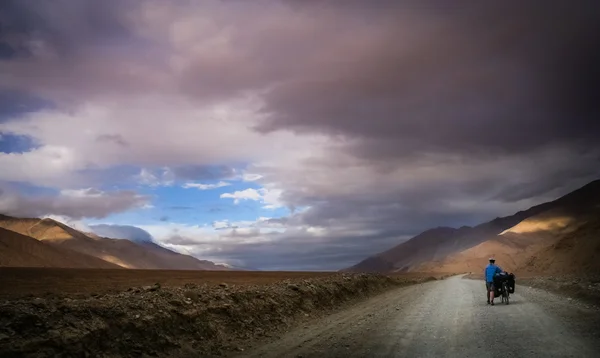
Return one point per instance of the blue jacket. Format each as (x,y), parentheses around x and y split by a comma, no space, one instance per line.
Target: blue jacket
(490,271)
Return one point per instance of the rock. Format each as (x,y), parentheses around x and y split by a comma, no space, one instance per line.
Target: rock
(152,288)
(176,303)
(224,285)
(293,287)
(569,299)
(39,303)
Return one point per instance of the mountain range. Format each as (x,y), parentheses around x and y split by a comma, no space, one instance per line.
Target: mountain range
(558,237)
(33,242)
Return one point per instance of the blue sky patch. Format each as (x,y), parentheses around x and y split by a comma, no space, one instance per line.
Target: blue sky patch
(10,143)
(191,206)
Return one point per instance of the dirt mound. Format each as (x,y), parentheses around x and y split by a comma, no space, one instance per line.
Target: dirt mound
(152,320)
(18,250)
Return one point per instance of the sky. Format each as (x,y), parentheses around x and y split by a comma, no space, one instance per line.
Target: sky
(293,135)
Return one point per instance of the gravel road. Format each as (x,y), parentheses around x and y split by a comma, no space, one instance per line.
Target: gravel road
(448,318)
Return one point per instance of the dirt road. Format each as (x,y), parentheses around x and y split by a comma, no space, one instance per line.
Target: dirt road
(448,318)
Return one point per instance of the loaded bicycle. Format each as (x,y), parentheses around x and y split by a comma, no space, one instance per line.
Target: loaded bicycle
(504,285)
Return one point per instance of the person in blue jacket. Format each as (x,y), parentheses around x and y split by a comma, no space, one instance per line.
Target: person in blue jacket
(490,271)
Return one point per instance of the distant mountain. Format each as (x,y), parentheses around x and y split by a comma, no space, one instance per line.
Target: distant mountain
(18,250)
(526,241)
(172,260)
(122,253)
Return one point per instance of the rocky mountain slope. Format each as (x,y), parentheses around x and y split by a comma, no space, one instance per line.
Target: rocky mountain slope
(18,250)
(576,251)
(117,252)
(558,235)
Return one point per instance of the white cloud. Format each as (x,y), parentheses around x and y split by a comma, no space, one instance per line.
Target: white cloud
(200,186)
(251,177)
(223,224)
(147,178)
(45,166)
(82,193)
(269,197)
(247,194)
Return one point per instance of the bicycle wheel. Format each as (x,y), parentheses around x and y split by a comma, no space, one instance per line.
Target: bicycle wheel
(505,293)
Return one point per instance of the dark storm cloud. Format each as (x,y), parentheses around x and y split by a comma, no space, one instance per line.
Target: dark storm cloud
(558,182)
(18,103)
(128,232)
(492,77)
(69,49)
(63,27)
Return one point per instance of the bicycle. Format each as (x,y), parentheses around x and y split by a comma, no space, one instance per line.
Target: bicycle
(505,293)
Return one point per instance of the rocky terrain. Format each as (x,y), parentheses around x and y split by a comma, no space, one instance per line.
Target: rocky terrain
(187,320)
(583,288)
(17,282)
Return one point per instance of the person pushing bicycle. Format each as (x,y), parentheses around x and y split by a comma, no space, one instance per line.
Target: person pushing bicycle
(490,271)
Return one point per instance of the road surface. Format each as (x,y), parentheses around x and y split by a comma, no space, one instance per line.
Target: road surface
(448,318)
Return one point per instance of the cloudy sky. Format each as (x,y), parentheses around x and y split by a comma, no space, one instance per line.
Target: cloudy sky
(297,135)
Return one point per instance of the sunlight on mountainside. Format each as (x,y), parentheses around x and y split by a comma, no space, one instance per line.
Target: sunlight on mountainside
(116,261)
(535,225)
